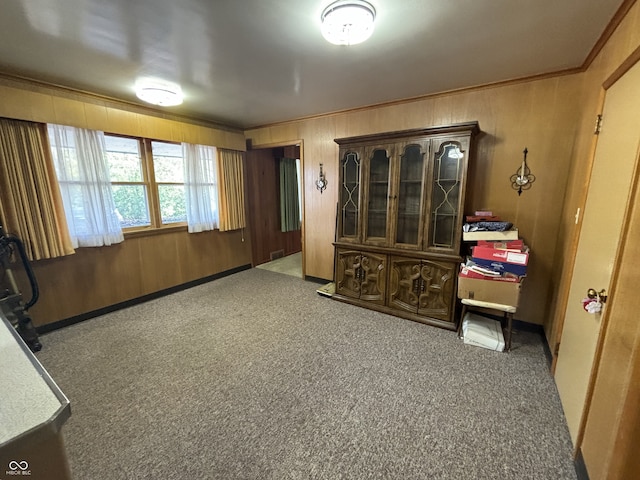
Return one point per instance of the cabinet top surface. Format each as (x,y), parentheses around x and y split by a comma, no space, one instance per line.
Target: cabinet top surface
(468,127)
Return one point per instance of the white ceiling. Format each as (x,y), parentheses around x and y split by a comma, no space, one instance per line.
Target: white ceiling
(253,62)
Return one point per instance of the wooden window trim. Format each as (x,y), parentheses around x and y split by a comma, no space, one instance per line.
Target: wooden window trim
(151,188)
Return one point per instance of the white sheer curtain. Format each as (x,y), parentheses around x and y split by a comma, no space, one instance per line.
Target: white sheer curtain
(83,175)
(201,187)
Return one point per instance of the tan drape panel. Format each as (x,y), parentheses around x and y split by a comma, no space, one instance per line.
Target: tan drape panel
(30,202)
(231,190)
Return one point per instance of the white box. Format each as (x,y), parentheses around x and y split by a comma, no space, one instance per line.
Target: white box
(489,235)
(482,332)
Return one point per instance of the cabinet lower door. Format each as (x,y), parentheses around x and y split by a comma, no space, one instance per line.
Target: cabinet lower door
(373,275)
(404,284)
(348,273)
(361,275)
(437,280)
(422,287)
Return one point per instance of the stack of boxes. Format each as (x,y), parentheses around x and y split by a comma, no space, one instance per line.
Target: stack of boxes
(497,266)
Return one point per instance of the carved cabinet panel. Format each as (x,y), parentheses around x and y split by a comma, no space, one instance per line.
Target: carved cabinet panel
(361,275)
(424,287)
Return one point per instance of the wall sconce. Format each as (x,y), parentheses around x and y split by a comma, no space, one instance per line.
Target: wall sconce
(523,178)
(321,182)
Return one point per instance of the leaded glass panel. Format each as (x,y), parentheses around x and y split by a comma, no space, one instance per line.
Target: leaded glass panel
(350,192)
(447,178)
(378,194)
(410,195)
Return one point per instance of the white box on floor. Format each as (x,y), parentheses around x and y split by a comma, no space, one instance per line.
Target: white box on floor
(482,332)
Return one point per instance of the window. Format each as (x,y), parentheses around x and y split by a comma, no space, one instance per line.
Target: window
(143,181)
(130,192)
(146,173)
(168,165)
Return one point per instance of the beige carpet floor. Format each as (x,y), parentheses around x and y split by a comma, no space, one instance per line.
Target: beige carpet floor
(256,376)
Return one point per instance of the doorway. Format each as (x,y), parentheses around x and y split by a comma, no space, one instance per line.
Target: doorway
(276,236)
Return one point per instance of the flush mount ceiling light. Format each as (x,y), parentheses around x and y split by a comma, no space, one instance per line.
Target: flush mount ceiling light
(159,92)
(348,22)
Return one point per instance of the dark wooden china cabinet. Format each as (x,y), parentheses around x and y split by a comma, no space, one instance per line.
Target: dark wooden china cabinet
(400,218)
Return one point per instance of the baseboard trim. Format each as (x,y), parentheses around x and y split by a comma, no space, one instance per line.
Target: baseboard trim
(547,349)
(309,278)
(539,329)
(580,466)
(50,327)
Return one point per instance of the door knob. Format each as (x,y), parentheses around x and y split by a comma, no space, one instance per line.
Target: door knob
(600,296)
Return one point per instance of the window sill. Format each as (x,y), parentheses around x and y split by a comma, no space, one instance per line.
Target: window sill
(149,231)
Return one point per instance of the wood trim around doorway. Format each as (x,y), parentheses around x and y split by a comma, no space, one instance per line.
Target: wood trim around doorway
(300,144)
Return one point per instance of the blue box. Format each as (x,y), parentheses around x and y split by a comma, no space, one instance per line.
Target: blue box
(501,267)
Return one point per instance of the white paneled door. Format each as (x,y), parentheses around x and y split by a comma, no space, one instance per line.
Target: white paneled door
(604,215)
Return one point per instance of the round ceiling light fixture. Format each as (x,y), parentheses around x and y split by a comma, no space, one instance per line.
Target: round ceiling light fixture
(159,92)
(348,22)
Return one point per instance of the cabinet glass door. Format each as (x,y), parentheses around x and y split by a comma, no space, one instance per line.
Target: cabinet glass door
(378,196)
(445,198)
(409,196)
(349,196)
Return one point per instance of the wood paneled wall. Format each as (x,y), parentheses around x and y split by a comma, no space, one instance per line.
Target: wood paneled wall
(618,48)
(38,103)
(609,430)
(542,115)
(95,278)
(553,117)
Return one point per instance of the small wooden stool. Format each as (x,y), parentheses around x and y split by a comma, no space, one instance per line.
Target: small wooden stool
(507,310)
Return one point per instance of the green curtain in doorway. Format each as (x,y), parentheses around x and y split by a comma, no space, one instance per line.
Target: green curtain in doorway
(289,204)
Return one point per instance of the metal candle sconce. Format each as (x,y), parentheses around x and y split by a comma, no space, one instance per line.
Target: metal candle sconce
(523,178)
(321,182)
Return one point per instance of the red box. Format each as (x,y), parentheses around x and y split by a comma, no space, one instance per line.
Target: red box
(479,218)
(504,256)
(514,245)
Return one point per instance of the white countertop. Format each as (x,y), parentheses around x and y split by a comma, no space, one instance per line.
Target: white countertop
(30,401)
